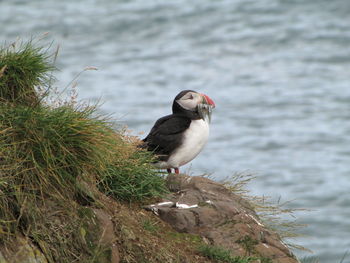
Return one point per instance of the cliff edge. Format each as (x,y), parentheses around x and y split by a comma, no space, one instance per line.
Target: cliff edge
(76,188)
(197,213)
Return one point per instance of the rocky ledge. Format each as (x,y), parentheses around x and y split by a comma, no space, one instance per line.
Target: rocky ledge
(203,209)
(198,205)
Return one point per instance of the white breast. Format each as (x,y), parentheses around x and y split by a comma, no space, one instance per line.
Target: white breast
(195,137)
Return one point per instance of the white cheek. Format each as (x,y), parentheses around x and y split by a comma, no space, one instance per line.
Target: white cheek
(190,104)
(187,104)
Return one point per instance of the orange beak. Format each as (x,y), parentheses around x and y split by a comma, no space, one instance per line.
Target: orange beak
(208,100)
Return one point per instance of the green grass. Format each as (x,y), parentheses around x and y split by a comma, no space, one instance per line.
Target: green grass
(23,67)
(248,244)
(45,153)
(131,177)
(53,158)
(150,226)
(221,255)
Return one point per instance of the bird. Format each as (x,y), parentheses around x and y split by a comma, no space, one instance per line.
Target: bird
(176,139)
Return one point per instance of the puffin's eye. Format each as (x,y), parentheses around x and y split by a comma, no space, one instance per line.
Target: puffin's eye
(188,97)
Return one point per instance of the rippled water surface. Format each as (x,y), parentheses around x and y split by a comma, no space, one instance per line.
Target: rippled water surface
(278,71)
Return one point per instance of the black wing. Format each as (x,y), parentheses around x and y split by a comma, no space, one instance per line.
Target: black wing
(166,135)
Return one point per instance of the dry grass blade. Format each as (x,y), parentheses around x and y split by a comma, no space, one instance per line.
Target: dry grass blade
(2,70)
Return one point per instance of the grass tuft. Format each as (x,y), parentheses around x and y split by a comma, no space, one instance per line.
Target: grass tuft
(248,244)
(131,177)
(221,255)
(45,153)
(23,68)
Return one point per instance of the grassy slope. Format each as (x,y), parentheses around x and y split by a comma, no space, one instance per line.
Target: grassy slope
(51,158)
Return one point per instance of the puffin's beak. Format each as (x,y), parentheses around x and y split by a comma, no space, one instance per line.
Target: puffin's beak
(207,100)
(206,107)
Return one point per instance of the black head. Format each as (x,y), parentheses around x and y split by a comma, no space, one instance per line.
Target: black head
(192,104)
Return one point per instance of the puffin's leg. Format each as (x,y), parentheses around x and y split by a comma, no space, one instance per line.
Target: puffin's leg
(177,170)
(168,170)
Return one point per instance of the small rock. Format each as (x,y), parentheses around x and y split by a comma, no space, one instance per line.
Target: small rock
(108,237)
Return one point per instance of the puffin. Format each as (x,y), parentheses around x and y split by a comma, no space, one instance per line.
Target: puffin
(176,139)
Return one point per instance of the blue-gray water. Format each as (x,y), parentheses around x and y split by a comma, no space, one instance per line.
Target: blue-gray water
(278,71)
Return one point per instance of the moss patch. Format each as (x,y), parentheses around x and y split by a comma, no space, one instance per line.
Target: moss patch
(221,255)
